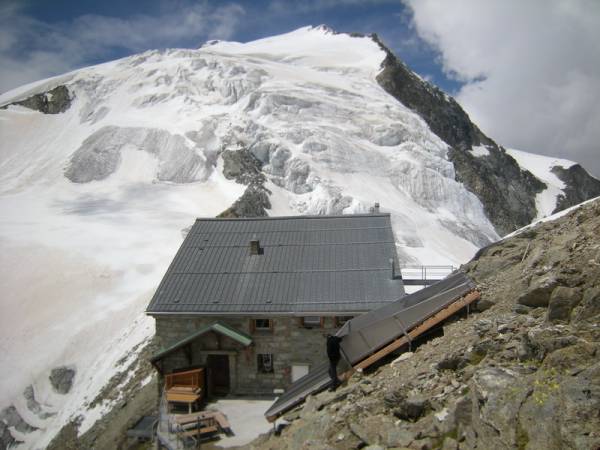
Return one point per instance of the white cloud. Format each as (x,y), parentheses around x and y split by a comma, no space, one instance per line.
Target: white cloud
(532,69)
(31,49)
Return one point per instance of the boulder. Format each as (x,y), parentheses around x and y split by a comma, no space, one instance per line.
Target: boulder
(580,402)
(381,430)
(484,305)
(521,309)
(539,291)
(562,301)
(483,326)
(497,394)
(452,362)
(589,308)
(412,408)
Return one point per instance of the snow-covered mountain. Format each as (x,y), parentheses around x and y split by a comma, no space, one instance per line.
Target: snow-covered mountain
(102,168)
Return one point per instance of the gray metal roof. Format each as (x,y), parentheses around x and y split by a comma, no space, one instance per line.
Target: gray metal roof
(309,264)
(365,334)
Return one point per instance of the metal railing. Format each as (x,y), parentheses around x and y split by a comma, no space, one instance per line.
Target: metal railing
(424,275)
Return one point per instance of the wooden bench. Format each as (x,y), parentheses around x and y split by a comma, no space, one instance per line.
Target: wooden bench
(197,428)
(219,417)
(185,387)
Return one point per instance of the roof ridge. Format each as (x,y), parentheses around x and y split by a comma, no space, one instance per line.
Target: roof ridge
(338,216)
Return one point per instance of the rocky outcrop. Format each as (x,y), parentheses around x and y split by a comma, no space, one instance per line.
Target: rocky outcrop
(242,166)
(33,405)
(579,186)
(245,168)
(506,191)
(61,379)
(512,376)
(55,101)
(254,202)
(6,439)
(11,418)
(130,394)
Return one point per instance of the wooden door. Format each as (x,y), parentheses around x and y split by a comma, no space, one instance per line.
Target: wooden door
(218,370)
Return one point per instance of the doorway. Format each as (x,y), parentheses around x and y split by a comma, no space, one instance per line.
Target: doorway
(218,374)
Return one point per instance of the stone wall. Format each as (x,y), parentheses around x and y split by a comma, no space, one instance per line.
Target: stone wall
(289,342)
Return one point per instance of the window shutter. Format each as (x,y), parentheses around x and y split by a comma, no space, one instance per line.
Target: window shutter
(301,322)
(252,326)
(322,322)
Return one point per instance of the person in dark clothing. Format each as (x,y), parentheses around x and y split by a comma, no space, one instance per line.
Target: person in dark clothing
(333,353)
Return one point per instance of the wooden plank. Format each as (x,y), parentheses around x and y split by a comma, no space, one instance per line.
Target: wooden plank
(188,418)
(203,430)
(183,397)
(222,420)
(184,418)
(416,331)
(218,416)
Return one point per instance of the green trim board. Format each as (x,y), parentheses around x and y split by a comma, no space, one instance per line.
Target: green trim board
(217,327)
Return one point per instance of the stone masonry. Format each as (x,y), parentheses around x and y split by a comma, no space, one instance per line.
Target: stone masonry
(288,341)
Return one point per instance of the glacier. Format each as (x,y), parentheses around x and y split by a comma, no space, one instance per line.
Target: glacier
(95,199)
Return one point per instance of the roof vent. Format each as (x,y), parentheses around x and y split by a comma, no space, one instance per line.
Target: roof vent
(376,208)
(255,248)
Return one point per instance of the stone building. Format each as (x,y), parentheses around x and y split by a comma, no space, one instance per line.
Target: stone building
(253,299)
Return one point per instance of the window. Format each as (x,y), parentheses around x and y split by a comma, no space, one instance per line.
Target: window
(261,325)
(311,321)
(299,370)
(264,363)
(341,320)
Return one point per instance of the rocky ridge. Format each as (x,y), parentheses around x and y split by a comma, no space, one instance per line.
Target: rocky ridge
(523,372)
(54,101)
(245,168)
(579,186)
(506,191)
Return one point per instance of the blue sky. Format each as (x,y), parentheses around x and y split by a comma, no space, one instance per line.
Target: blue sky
(248,20)
(527,72)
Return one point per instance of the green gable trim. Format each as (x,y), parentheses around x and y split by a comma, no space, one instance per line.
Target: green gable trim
(217,327)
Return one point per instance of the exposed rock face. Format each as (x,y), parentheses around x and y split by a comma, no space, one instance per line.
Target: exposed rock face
(513,376)
(33,405)
(242,166)
(506,192)
(54,101)
(6,439)
(62,378)
(253,203)
(245,168)
(11,417)
(580,186)
(130,394)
